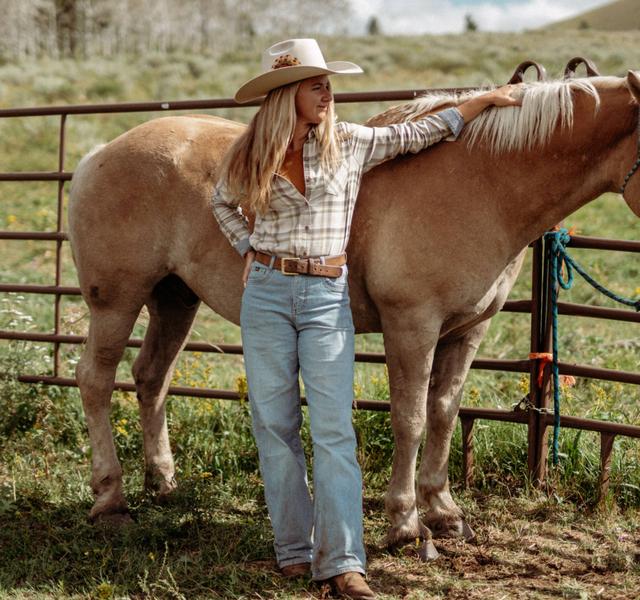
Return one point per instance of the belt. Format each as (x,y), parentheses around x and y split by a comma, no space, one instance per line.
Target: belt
(329,266)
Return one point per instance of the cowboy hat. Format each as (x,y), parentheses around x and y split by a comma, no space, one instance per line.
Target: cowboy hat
(290,61)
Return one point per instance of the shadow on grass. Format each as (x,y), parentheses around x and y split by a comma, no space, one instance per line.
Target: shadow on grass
(189,548)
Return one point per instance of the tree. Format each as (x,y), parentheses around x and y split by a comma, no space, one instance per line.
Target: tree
(470,23)
(83,28)
(67,26)
(373,26)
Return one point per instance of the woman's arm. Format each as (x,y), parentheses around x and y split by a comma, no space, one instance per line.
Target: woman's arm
(232,224)
(373,145)
(503,96)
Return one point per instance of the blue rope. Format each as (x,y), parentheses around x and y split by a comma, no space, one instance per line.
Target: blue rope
(558,257)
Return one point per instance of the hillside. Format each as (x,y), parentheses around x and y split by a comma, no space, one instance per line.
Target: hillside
(622,15)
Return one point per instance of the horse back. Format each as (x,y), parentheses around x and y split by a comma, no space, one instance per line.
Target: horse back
(140,205)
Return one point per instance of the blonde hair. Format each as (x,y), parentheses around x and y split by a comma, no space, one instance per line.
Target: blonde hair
(251,162)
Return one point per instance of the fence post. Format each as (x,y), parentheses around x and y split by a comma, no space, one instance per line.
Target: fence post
(59,228)
(540,340)
(606,453)
(467,451)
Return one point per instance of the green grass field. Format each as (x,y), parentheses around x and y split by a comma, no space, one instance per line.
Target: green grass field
(214,540)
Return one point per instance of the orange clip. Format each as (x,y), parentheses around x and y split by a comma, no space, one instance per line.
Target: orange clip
(544,358)
(571,230)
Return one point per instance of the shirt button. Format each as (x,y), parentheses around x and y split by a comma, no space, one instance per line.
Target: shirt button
(306,228)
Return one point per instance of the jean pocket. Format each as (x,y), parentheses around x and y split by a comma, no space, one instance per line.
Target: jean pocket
(337,284)
(259,273)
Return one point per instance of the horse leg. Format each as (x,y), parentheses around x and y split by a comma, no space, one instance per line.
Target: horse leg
(409,358)
(109,331)
(450,367)
(172,309)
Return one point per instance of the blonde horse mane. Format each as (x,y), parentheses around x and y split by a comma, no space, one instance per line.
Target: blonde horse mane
(544,105)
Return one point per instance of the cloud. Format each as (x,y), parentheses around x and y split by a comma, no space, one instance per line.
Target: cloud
(445,16)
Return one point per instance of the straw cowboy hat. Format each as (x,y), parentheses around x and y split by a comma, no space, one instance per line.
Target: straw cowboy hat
(290,61)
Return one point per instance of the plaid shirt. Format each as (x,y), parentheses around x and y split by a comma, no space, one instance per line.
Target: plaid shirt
(318,223)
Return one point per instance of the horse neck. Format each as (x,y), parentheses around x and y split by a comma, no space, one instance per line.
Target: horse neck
(575,167)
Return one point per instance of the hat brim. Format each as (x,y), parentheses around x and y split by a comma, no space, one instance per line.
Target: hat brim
(264,83)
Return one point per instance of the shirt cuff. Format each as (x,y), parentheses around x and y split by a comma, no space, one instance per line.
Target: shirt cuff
(453,118)
(243,246)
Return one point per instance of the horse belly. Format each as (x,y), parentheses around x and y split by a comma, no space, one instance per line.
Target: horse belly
(487,306)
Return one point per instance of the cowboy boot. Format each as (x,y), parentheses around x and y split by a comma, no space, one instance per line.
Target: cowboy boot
(296,570)
(351,585)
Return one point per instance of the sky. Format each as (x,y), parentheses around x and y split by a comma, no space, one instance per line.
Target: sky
(445,16)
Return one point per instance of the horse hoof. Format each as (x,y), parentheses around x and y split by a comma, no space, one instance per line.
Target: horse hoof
(427,551)
(113,519)
(160,487)
(397,537)
(468,534)
(164,498)
(457,528)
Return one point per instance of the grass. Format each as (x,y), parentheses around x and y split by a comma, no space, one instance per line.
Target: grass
(214,539)
(213,542)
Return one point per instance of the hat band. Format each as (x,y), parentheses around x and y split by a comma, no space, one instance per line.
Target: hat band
(285,61)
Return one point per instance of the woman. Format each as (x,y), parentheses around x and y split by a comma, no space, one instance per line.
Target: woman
(300,173)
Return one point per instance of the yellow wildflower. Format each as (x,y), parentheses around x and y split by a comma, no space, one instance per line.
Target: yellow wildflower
(241,386)
(523,384)
(104,591)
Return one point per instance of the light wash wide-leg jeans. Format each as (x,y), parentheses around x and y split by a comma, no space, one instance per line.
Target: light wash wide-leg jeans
(302,325)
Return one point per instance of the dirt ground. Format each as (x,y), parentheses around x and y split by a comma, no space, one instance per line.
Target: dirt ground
(523,549)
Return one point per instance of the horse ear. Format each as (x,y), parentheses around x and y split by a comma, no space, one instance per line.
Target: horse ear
(633,80)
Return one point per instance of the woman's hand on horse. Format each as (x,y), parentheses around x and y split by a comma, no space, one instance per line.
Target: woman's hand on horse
(507,95)
(248,260)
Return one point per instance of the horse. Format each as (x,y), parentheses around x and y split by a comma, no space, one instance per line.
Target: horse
(437,242)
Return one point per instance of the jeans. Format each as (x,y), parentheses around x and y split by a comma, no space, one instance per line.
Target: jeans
(302,325)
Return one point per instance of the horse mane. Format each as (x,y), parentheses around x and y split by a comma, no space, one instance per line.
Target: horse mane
(544,105)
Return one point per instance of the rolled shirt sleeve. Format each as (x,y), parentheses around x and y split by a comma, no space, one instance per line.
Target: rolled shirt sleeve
(374,145)
(453,118)
(230,219)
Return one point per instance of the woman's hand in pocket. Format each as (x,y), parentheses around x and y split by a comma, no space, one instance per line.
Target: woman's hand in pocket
(249,257)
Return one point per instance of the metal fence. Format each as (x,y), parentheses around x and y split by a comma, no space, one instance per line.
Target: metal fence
(534,412)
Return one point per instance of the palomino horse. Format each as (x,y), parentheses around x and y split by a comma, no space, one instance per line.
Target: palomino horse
(436,244)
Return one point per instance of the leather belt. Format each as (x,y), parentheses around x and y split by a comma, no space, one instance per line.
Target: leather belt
(329,266)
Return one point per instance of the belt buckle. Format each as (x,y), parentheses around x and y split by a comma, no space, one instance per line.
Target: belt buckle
(282,266)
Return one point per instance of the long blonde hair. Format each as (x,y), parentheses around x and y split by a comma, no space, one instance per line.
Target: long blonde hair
(251,162)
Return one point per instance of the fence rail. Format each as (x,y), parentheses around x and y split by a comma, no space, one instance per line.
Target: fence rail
(536,417)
